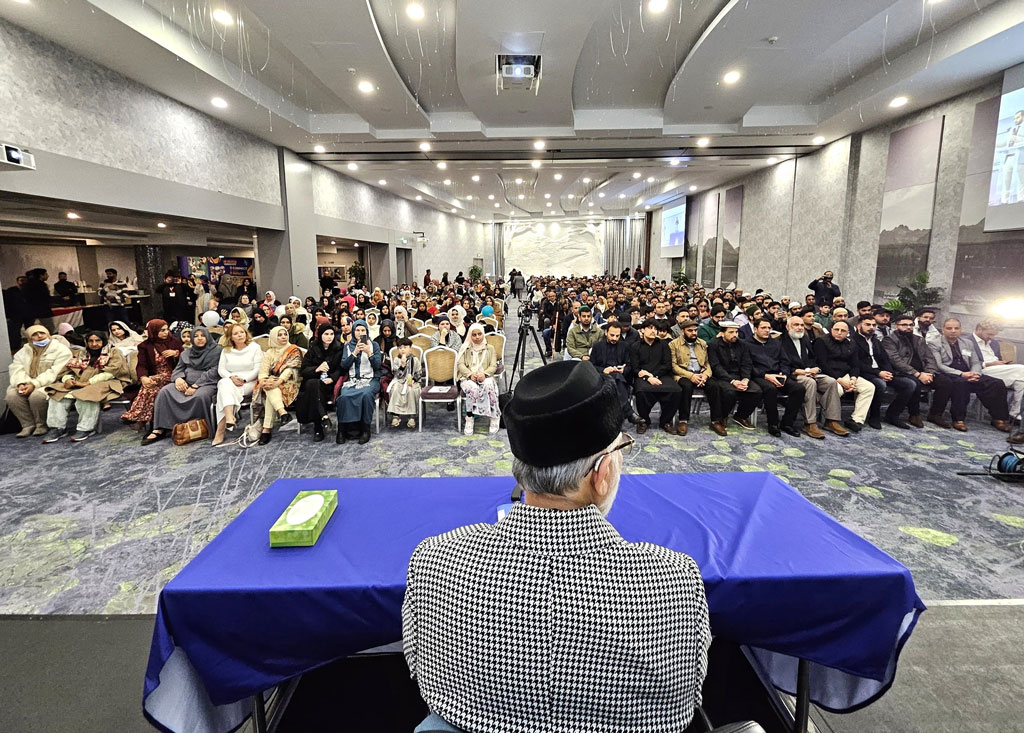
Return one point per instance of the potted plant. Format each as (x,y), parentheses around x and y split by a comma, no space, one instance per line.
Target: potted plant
(357,271)
(475,273)
(915,293)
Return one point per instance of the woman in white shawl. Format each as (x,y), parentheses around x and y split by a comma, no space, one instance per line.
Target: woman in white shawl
(120,337)
(476,367)
(457,315)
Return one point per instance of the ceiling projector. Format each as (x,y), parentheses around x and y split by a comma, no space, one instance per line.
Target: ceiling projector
(16,159)
(518,71)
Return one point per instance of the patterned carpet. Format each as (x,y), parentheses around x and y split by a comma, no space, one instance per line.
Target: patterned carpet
(101,526)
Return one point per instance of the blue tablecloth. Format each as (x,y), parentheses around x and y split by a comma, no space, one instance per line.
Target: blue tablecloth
(782,577)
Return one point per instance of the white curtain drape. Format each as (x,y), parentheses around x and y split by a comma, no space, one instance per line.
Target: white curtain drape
(498,247)
(623,244)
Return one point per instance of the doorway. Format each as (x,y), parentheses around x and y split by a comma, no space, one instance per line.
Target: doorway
(403,265)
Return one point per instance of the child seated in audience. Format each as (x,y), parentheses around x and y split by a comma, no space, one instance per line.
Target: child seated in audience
(404,390)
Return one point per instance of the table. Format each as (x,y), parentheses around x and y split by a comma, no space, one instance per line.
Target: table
(809,597)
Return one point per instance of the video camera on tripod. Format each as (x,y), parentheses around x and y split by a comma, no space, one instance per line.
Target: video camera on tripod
(527,309)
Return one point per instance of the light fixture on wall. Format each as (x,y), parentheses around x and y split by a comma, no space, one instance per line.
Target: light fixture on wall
(73,215)
(333,242)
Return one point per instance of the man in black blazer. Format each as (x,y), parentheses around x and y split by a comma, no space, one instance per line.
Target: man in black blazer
(877,369)
(819,388)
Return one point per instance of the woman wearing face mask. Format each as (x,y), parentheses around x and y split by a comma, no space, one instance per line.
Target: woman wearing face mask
(36,364)
(279,379)
(320,370)
(192,390)
(238,368)
(476,367)
(357,399)
(158,355)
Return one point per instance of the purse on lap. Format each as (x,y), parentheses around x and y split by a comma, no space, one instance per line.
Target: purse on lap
(189,432)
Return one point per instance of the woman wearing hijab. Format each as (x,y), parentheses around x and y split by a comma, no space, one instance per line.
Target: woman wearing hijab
(320,370)
(36,364)
(476,367)
(386,340)
(357,399)
(422,313)
(119,336)
(457,316)
(279,379)
(237,315)
(269,303)
(384,312)
(92,377)
(238,369)
(372,326)
(247,287)
(193,387)
(67,336)
(158,355)
(261,323)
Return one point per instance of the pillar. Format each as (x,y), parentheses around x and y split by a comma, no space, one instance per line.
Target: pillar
(149,271)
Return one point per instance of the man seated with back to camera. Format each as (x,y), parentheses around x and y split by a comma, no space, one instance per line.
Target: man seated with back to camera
(770,370)
(650,363)
(911,357)
(690,367)
(877,369)
(955,357)
(730,381)
(549,620)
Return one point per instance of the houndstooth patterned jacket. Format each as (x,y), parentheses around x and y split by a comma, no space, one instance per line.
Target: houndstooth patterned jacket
(550,621)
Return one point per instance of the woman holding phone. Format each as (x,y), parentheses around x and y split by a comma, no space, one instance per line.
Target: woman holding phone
(357,399)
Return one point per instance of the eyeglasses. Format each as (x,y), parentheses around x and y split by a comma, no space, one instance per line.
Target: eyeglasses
(626,446)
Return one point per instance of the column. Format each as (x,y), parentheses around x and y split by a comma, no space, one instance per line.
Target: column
(149,271)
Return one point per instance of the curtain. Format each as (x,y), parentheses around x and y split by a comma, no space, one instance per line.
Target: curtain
(623,244)
(498,244)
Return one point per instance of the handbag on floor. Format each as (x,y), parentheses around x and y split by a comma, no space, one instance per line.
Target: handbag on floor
(191,431)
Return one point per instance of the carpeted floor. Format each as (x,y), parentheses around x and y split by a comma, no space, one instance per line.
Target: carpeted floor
(99,527)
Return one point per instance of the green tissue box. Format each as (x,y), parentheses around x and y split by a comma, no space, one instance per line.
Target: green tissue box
(304,519)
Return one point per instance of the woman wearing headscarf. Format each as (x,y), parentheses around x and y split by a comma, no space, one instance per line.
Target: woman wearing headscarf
(279,379)
(183,331)
(386,340)
(158,355)
(422,313)
(193,387)
(457,316)
(320,370)
(357,398)
(247,287)
(36,364)
(237,315)
(120,336)
(296,332)
(372,326)
(238,369)
(67,336)
(403,328)
(269,303)
(385,312)
(476,367)
(94,376)
(261,323)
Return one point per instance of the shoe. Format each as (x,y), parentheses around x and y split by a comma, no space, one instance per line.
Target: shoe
(81,435)
(896,422)
(669,428)
(285,419)
(853,426)
(396,421)
(55,434)
(682,428)
(916,421)
(719,427)
(364,437)
(813,431)
(960,425)
(743,422)
(26,432)
(493,427)
(155,435)
(774,430)
(940,421)
(1002,425)
(834,427)
(340,437)
(40,430)
(411,423)
(264,438)
(790,430)
(1016,439)
(451,407)
(875,423)
(318,433)
(641,427)
(229,426)
(632,418)
(467,428)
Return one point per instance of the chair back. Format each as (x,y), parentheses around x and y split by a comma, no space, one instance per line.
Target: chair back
(263,341)
(421,340)
(394,355)
(428,329)
(416,322)
(439,364)
(497,341)
(1008,351)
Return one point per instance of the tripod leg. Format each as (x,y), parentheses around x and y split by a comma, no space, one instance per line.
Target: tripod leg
(536,340)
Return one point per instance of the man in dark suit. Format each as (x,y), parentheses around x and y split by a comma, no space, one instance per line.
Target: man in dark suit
(877,369)
(771,371)
(911,357)
(731,380)
(819,388)
(650,363)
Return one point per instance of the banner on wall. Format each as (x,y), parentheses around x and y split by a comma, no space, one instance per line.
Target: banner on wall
(215,267)
(709,237)
(907,206)
(692,240)
(731,218)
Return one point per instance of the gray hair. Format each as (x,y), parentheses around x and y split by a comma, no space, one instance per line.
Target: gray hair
(558,480)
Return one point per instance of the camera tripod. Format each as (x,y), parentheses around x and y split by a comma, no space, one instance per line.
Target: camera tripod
(519,360)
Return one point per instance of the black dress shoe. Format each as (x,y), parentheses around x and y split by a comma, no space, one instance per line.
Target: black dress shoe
(875,423)
(774,430)
(853,425)
(318,433)
(364,437)
(340,438)
(641,426)
(285,419)
(264,438)
(897,423)
(790,430)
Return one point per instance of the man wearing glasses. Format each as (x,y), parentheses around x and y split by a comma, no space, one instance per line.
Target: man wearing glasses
(549,619)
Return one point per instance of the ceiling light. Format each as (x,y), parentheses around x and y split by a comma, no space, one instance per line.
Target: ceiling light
(547,195)
(73,215)
(571,196)
(522,196)
(441,165)
(693,188)
(490,197)
(497,206)
(650,179)
(223,17)
(898,102)
(622,195)
(558,176)
(476,179)
(538,144)
(590,204)
(674,161)
(453,210)
(535,163)
(447,181)
(703,142)
(731,77)
(161,225)
(519,181)
(333,242)
(425,147)
(472,216)
(419,198)
(586,180)
(647,208)
(414,11)
(356,244)
(819,140)
(469,197)
(657,6)
(319,149)
(773,160)
(548,203)
(601,195)
(636,174)
(219,102)
(352,167)
(382,182)
(23,2)
(365,86)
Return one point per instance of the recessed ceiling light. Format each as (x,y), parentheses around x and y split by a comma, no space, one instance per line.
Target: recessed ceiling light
(637,174)
(319,149)
(73,215)
(519,181)
(558,176)
(223,17)
(693,188)
(356,244)
(647,208)
(382,182)
(773,160)
(414,11)
(547,195)
(161,225)
(425,147)
(674,161)
(731,77)
(447,181)
(622,195)
(650,179)
(898,102)
(522,196)
(453,210)
(819,140)
(657,6)
(548,203)
(469,197)
(586,180)
(497,206)
(538,144)
(703,142)
(333,242)
(365,86)
(571,196)
(472,216)
(490,197)
(535,163)
(601,195)
(590,204)
(23,2)
(476,179)
(419,198)
(352,167)
(219,102)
